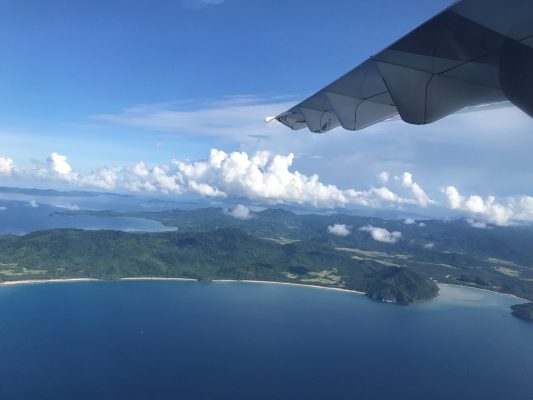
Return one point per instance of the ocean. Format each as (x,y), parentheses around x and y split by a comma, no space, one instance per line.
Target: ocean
(189,340)
(19,218)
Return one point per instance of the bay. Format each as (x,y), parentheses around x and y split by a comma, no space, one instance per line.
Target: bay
(187,340)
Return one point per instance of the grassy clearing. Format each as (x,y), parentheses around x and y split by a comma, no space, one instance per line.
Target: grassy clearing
(325,277)
(436,264)
(499,261)
(373,254)
(508,271)
(281,240)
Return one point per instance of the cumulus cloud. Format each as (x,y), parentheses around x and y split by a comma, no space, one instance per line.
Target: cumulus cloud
(259,177)
(409,221)
(407,181)
(429,245)
(33,204)
(271,179)
(341,230)
(489,210)
(6,166)
(384,177)
(382,234)
(454,198)
(59,164)
(240,212)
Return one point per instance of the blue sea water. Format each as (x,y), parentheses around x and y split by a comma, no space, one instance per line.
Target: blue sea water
(186,340)
(19,218)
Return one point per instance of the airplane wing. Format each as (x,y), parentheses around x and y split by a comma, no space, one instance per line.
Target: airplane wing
(475,53)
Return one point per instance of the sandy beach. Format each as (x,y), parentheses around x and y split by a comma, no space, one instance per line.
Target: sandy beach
(288,284)
(33,281)
(153,278)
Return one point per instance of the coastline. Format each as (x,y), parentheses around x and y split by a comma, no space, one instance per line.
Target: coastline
(288,284)
(154,278)
(55,280)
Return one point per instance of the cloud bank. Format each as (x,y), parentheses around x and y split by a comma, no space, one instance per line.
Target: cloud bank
(268,178)
(488,209)
(260,177)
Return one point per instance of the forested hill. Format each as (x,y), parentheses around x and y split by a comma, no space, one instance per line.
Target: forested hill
(218,254)
(510,243)
(495,258)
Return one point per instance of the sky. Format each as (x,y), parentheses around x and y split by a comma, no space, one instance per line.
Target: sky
(170,97)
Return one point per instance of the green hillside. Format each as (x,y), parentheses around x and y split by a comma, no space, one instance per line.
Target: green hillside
(217,254)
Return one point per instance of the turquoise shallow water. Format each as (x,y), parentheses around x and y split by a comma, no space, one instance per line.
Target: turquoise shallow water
(185,340)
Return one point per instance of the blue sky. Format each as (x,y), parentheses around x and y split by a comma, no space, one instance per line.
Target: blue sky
(113,83)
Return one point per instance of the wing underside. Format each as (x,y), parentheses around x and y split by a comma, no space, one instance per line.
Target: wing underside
(477,52)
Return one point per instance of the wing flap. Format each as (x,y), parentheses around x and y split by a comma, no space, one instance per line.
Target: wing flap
(450,62)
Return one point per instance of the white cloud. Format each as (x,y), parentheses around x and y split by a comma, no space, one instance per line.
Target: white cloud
(384,177)
(66,206)
(271,179)
(6,166)
(2,208)
(33,204)
(238,118)
(382,234)
(240,212)
(406,180)
(341,230)
(429,245)
(409,221)
(421,224)
(59,164)
(476,224)
(489,210)
(454,198)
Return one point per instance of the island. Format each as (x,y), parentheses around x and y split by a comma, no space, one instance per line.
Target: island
(523,311)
